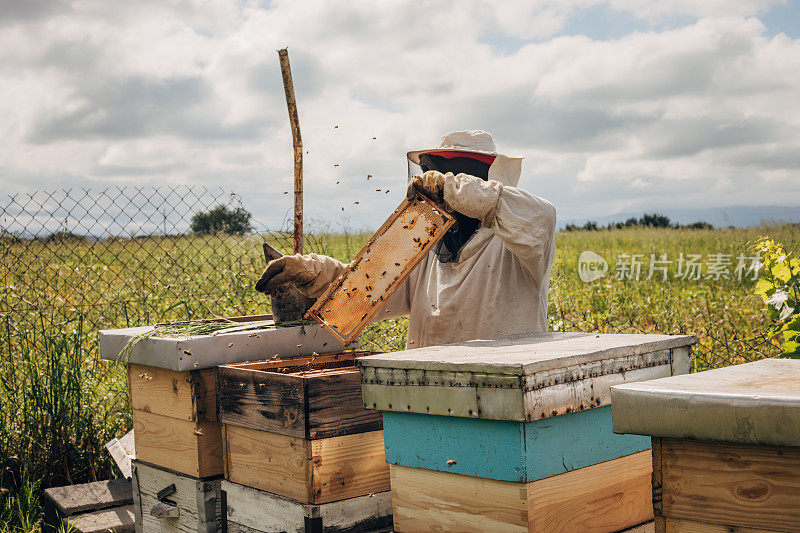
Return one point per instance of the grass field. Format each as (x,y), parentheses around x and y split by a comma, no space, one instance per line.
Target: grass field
(59,404)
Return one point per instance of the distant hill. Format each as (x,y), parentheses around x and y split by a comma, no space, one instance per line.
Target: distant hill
(720,217)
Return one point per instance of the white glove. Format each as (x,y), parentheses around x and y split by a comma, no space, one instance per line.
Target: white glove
(472,196)
(311,273)
(430,184)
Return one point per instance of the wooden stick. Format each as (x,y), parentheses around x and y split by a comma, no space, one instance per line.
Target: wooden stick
(297,141)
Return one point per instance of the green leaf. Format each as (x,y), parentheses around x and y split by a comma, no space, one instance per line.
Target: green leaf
(781,271)
(762,286)
(791,349)
(794,264)
(793,324)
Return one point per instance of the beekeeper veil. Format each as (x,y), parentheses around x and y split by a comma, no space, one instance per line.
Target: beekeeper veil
(470,152)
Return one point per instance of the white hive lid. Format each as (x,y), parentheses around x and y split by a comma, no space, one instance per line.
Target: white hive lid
(751,403)
(196,352)
(526,353)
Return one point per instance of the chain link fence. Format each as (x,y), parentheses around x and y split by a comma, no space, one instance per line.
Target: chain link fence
(126,256)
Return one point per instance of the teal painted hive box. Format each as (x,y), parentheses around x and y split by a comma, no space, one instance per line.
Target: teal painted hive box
(515,434)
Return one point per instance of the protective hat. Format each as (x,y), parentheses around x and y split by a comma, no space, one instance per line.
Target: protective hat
(505,169)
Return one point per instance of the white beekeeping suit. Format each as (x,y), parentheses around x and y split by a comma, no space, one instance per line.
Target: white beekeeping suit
(498,282)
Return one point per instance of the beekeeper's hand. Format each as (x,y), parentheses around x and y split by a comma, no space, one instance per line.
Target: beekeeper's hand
(430,184)
(311,273)
(472,196)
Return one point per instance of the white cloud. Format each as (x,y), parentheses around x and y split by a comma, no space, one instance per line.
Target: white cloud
(190,92)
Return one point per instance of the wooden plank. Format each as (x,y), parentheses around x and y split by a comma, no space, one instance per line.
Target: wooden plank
(323,360)
(335,405)
(348,466)
(116,519)
(192,448)
(188,395)
(269,461)
(657,479)
(732,484)
(604,497)
(74,499)
(380,267)
(678,525)
(427,500)
(266,401)
(197,500)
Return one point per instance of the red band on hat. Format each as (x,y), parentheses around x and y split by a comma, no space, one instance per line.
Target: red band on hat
(450,154)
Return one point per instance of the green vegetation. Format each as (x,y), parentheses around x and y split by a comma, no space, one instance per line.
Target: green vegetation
(648,220)
(779,287)
(59,404)
(222,219)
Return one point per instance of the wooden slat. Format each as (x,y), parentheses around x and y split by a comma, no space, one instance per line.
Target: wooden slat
(732,484)
(335,405)
(268,461)
(192,448)
(186,395)
(428,500)
(604,497)
(678,525)
(267,401)
(657,480)
(116,519)
(73,499)
(348,466)
(345,358)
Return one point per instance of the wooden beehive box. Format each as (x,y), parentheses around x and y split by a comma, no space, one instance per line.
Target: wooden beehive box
(515,433)
(175,419)
(298,429)
(250,510)
(167,501)
(172,384)
(726,446)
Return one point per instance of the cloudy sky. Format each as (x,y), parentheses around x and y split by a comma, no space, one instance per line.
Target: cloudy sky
(619,106)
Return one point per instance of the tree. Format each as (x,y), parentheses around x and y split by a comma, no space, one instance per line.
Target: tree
(222,219)
(654,220)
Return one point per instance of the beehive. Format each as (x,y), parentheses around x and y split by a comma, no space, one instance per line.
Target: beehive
(175,419)
(726,446)
(514,434)
(173,389)
(297,429)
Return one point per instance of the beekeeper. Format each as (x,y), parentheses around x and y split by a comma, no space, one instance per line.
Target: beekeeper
(489,275)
